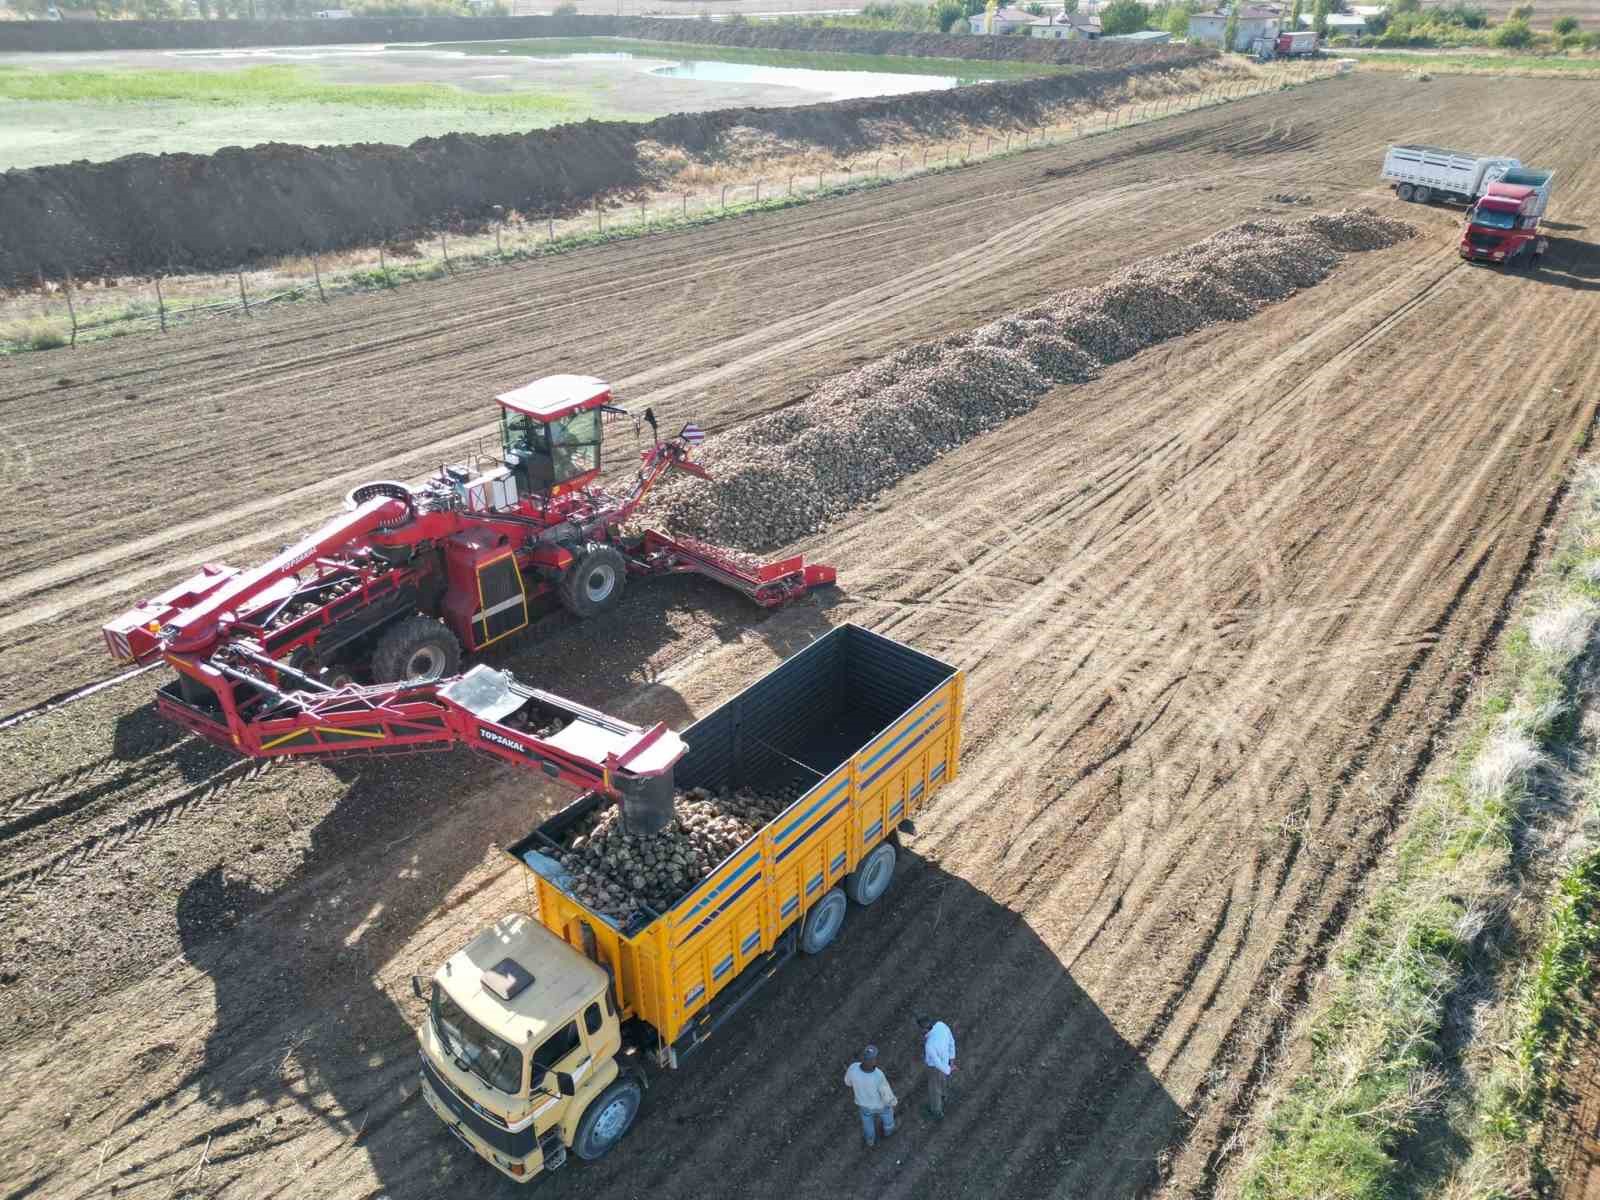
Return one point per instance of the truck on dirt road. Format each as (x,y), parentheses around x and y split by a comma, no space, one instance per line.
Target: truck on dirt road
(542,1033)
(1503,226)
(1300,44)
(1422,174)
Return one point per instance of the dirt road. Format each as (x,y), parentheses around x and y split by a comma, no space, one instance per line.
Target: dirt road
(1214,607)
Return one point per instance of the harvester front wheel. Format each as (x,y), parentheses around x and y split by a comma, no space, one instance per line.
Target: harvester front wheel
(416,649)
(594,584)
(607,1119)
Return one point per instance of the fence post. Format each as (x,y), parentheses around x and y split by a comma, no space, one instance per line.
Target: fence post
(549,229)
(724,197)
(791,184)
(969,151)
(161,305)
(758,191)
(686,206)
(239,275)
(989,145)
(643,218)
(924,156)
(316,270)
(1008,141)
(72,310)
(877,167)
(384,264)
(498,253)
(599,221)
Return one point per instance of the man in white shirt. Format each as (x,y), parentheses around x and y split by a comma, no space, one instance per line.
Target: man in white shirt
(939,1056)
(875,1099)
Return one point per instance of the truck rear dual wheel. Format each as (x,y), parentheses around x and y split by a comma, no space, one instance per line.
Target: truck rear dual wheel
(1404,191)
(607,1119)
(873,876)
(594,584)
(823,922)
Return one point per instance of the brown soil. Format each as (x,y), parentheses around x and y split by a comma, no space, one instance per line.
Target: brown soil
(167,212)
(1214,607)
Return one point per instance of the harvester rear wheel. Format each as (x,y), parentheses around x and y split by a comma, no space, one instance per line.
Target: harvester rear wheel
(594,584)
(417,648)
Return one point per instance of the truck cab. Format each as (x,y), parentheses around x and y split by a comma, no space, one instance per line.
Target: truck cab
(1503,224)
(521,1048)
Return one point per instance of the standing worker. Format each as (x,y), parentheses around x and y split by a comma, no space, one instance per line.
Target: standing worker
(875,1099)
(939,1056)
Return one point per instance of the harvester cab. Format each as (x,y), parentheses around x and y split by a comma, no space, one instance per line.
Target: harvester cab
(551,432)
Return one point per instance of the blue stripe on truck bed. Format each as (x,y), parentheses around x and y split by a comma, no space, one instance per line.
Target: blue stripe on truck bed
(820,822)
(892,742)
(912,745)
(720,909)
(779,839)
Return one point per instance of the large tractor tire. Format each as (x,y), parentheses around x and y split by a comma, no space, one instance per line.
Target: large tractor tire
(594,584)
(417,649)
(607,1119)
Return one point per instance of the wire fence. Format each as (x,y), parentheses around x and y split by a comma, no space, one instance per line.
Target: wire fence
(67,313)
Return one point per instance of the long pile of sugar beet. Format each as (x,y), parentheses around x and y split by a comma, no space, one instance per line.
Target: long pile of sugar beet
(788,474)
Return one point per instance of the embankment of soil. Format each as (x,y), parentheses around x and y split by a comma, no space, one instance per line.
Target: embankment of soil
(146,214)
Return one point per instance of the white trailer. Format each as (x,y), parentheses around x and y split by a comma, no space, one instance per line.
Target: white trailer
(1424,173)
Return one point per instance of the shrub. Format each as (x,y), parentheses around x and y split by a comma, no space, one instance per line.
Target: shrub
(948,14)
(1460,14)
(1566,25)
(1404,6)
(1591,40)
(1512,35)
(1522,12)
(1034,10)
(1122,16)
(1177,22)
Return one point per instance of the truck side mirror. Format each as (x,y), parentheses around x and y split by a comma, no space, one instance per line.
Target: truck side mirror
(416,987)
(564,1084)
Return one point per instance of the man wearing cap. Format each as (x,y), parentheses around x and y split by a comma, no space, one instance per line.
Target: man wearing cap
(875,1099)
(939,1056)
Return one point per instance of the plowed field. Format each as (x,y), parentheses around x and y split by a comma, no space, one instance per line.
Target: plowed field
(1215,608)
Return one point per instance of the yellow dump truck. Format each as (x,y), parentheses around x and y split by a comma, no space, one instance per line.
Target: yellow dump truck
(543,1032)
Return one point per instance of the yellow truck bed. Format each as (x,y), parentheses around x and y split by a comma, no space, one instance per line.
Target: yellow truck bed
(875,723)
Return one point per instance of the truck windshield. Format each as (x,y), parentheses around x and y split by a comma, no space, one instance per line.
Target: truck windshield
(474,1048)
(1494,220)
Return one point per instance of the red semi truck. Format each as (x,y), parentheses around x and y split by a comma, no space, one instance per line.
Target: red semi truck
(1503,225)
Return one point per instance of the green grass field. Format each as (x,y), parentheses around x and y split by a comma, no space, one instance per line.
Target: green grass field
(965,70)
(267,86)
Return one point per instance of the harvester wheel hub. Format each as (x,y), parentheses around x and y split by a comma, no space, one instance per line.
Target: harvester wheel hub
(599,582)
(426,662)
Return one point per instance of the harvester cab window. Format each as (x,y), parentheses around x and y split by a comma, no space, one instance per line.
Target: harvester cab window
(575,445)
(553,452)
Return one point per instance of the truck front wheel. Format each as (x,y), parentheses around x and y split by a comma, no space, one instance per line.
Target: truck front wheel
(607,1119)
(822,923)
